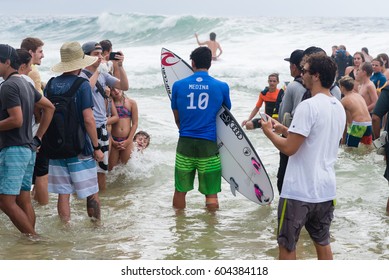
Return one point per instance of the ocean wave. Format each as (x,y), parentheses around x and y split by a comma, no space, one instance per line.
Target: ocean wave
(137,29)
(134,29)
(252,47)
(140,30)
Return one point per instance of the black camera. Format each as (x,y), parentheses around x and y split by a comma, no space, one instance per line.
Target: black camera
(113,54)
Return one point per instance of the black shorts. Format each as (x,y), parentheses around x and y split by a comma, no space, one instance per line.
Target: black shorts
(41,167)
(293,215)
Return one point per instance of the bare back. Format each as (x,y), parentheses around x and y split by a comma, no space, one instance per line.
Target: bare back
(369,93)
(214,46)
(356,108)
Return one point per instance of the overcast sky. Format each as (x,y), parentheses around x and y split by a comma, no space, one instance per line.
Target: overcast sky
(252,8)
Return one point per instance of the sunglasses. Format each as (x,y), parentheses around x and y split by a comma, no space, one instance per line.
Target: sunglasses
(303,71)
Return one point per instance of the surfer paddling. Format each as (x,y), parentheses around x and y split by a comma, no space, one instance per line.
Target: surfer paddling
(195,102)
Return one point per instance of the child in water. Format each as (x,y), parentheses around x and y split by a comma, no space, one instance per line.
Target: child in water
(123,131)
(268,95)
(141,140)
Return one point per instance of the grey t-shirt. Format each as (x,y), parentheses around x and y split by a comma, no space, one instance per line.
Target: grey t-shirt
(99,109)
(293,95)
(16,91)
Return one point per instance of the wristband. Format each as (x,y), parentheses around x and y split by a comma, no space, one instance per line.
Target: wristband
(96,148)
(36,141)
(256,123)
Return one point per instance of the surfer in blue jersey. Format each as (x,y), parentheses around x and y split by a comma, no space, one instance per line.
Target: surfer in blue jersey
(312,143)
(195,103)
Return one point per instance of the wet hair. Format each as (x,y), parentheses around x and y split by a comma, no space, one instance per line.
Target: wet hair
(342,47)
(366,66)
(24,56)
(31,44)
(323,65)
(385,59)
(106,45)
(307,52)
(145,134)
(347,82)
(361,54)
(276,75)
(212,36)
(312,50)
(202,57)
(364,49)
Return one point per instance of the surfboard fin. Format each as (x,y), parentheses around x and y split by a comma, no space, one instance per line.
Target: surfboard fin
(234,186)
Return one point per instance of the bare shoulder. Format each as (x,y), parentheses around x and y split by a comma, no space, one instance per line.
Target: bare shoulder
(347,100)
(348,70)
(371,87)
(130,102)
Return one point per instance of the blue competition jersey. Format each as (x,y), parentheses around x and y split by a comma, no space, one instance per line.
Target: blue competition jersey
(197,99)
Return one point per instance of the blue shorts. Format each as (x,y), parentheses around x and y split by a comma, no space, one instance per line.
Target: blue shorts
(73,175)
(16,169)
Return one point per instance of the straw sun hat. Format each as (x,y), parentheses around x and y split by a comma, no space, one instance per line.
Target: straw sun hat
(72,58)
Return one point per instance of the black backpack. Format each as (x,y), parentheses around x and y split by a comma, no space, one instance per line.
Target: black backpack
(65,137)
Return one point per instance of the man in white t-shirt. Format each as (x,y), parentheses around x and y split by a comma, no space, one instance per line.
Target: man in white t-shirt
(311,142)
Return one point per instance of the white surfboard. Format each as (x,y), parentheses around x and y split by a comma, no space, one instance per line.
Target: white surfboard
(241,165)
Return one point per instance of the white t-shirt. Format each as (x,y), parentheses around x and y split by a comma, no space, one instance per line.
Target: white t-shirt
(106,67)
(310,174)
(99,108)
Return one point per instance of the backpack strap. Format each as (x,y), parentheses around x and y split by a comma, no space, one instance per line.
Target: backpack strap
(98,85)
(75,86)
(73,89)
(299,80)
(307,94)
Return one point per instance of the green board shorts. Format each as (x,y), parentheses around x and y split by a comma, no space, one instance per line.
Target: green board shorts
(202,155)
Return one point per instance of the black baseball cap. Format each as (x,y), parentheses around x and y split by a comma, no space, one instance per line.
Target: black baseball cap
(295,57)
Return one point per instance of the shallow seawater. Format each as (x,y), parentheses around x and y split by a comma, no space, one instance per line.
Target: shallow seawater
(138,221)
